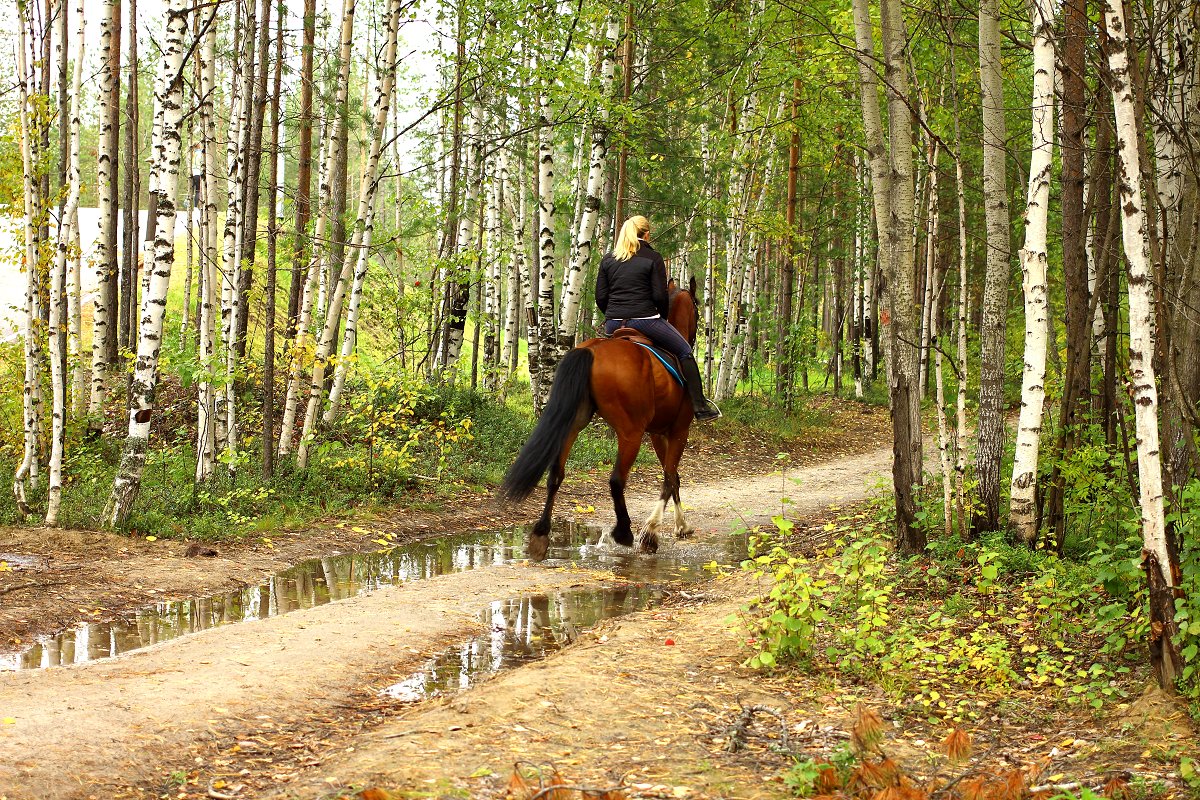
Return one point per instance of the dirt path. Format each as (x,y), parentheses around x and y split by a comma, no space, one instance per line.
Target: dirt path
(194,708)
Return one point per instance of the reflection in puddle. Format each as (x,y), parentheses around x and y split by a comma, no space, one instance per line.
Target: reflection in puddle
(322,580)
(521,630)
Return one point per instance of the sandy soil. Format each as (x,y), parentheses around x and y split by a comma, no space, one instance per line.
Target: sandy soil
(121,727)
(290,707)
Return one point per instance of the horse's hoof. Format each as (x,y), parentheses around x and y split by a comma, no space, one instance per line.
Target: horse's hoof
(648,543)
(537,546)
(685,533)
(623,536)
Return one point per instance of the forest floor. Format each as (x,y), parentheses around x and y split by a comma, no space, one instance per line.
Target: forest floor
(291,706)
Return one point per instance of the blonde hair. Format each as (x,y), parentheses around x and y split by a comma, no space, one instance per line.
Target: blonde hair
(627,240)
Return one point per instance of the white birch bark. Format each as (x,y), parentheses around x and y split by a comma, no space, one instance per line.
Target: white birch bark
(74,256)
(494,267)
(67,250)
(927,306)
(545,280)
(235,227)
(581,249)
(206,323)
(1141,300)
(367,193)
(472,178)
(106,155)
(526,301)
(30,333)
(710,264)
(167,151)
(320,259)
(1023,507)
(513,304)
(1173,33)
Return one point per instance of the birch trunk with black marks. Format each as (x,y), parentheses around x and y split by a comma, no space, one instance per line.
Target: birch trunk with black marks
(1023,505)
(541,367)
(26,473)
(333,311)
(581,248)
(75,256)
(167,151)
(104,309)
(59,312)
(206,321)
(364,225)
(1159,560)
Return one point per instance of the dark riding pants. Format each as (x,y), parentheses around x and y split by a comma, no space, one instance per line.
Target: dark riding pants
(661,332)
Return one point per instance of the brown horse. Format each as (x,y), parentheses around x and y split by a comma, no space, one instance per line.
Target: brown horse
(631,389)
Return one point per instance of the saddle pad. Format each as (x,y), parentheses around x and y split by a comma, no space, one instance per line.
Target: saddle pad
(672,370)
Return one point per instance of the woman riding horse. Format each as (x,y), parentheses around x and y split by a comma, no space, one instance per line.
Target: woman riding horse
(631,290)
(628,386)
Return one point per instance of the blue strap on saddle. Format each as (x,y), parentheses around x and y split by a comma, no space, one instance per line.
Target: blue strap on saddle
(670,369)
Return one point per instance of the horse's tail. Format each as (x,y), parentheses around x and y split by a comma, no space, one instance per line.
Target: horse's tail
(571,387)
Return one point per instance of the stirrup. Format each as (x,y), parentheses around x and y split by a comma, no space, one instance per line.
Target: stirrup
(710,411)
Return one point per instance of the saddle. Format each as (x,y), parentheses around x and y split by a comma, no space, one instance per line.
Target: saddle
(667,358)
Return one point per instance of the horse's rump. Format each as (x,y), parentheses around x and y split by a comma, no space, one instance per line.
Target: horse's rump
(630,385)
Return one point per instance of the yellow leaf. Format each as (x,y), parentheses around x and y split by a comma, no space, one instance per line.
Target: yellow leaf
(151,538)
(9,721)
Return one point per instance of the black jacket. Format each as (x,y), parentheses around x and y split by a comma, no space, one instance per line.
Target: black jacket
(634,288)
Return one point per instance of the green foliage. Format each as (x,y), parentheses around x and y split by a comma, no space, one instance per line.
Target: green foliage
(980,619)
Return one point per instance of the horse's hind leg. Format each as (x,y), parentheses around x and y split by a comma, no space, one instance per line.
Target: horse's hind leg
(539,541)
(627,450)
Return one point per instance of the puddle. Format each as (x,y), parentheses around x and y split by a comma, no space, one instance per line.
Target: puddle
(323,580)
(522,630)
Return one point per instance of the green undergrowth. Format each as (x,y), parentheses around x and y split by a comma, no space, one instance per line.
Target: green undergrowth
(967,626)
(398,443)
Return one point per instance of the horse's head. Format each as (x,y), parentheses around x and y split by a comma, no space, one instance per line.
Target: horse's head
(685,311)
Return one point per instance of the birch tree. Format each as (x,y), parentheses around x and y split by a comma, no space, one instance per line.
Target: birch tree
(167,151)
(27,470)
(1023,507)
(206,428)
(59,316)
(368,191)
(1159,561)
(581,248)
(104,311)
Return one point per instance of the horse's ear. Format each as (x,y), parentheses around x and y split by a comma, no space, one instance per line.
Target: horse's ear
(692,285)
(671,286)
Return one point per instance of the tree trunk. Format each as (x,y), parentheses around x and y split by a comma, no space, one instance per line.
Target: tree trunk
(1077,373)
(581,249)
(268,436)
(74,180)
(365,225)
(304,165)
(329,211)
(104,312)
(990,429)
(1159,561)
(1023,505)
(167,147)
(545,282)
(206,321)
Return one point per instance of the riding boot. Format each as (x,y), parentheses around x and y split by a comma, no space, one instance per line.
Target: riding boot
(704,409)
